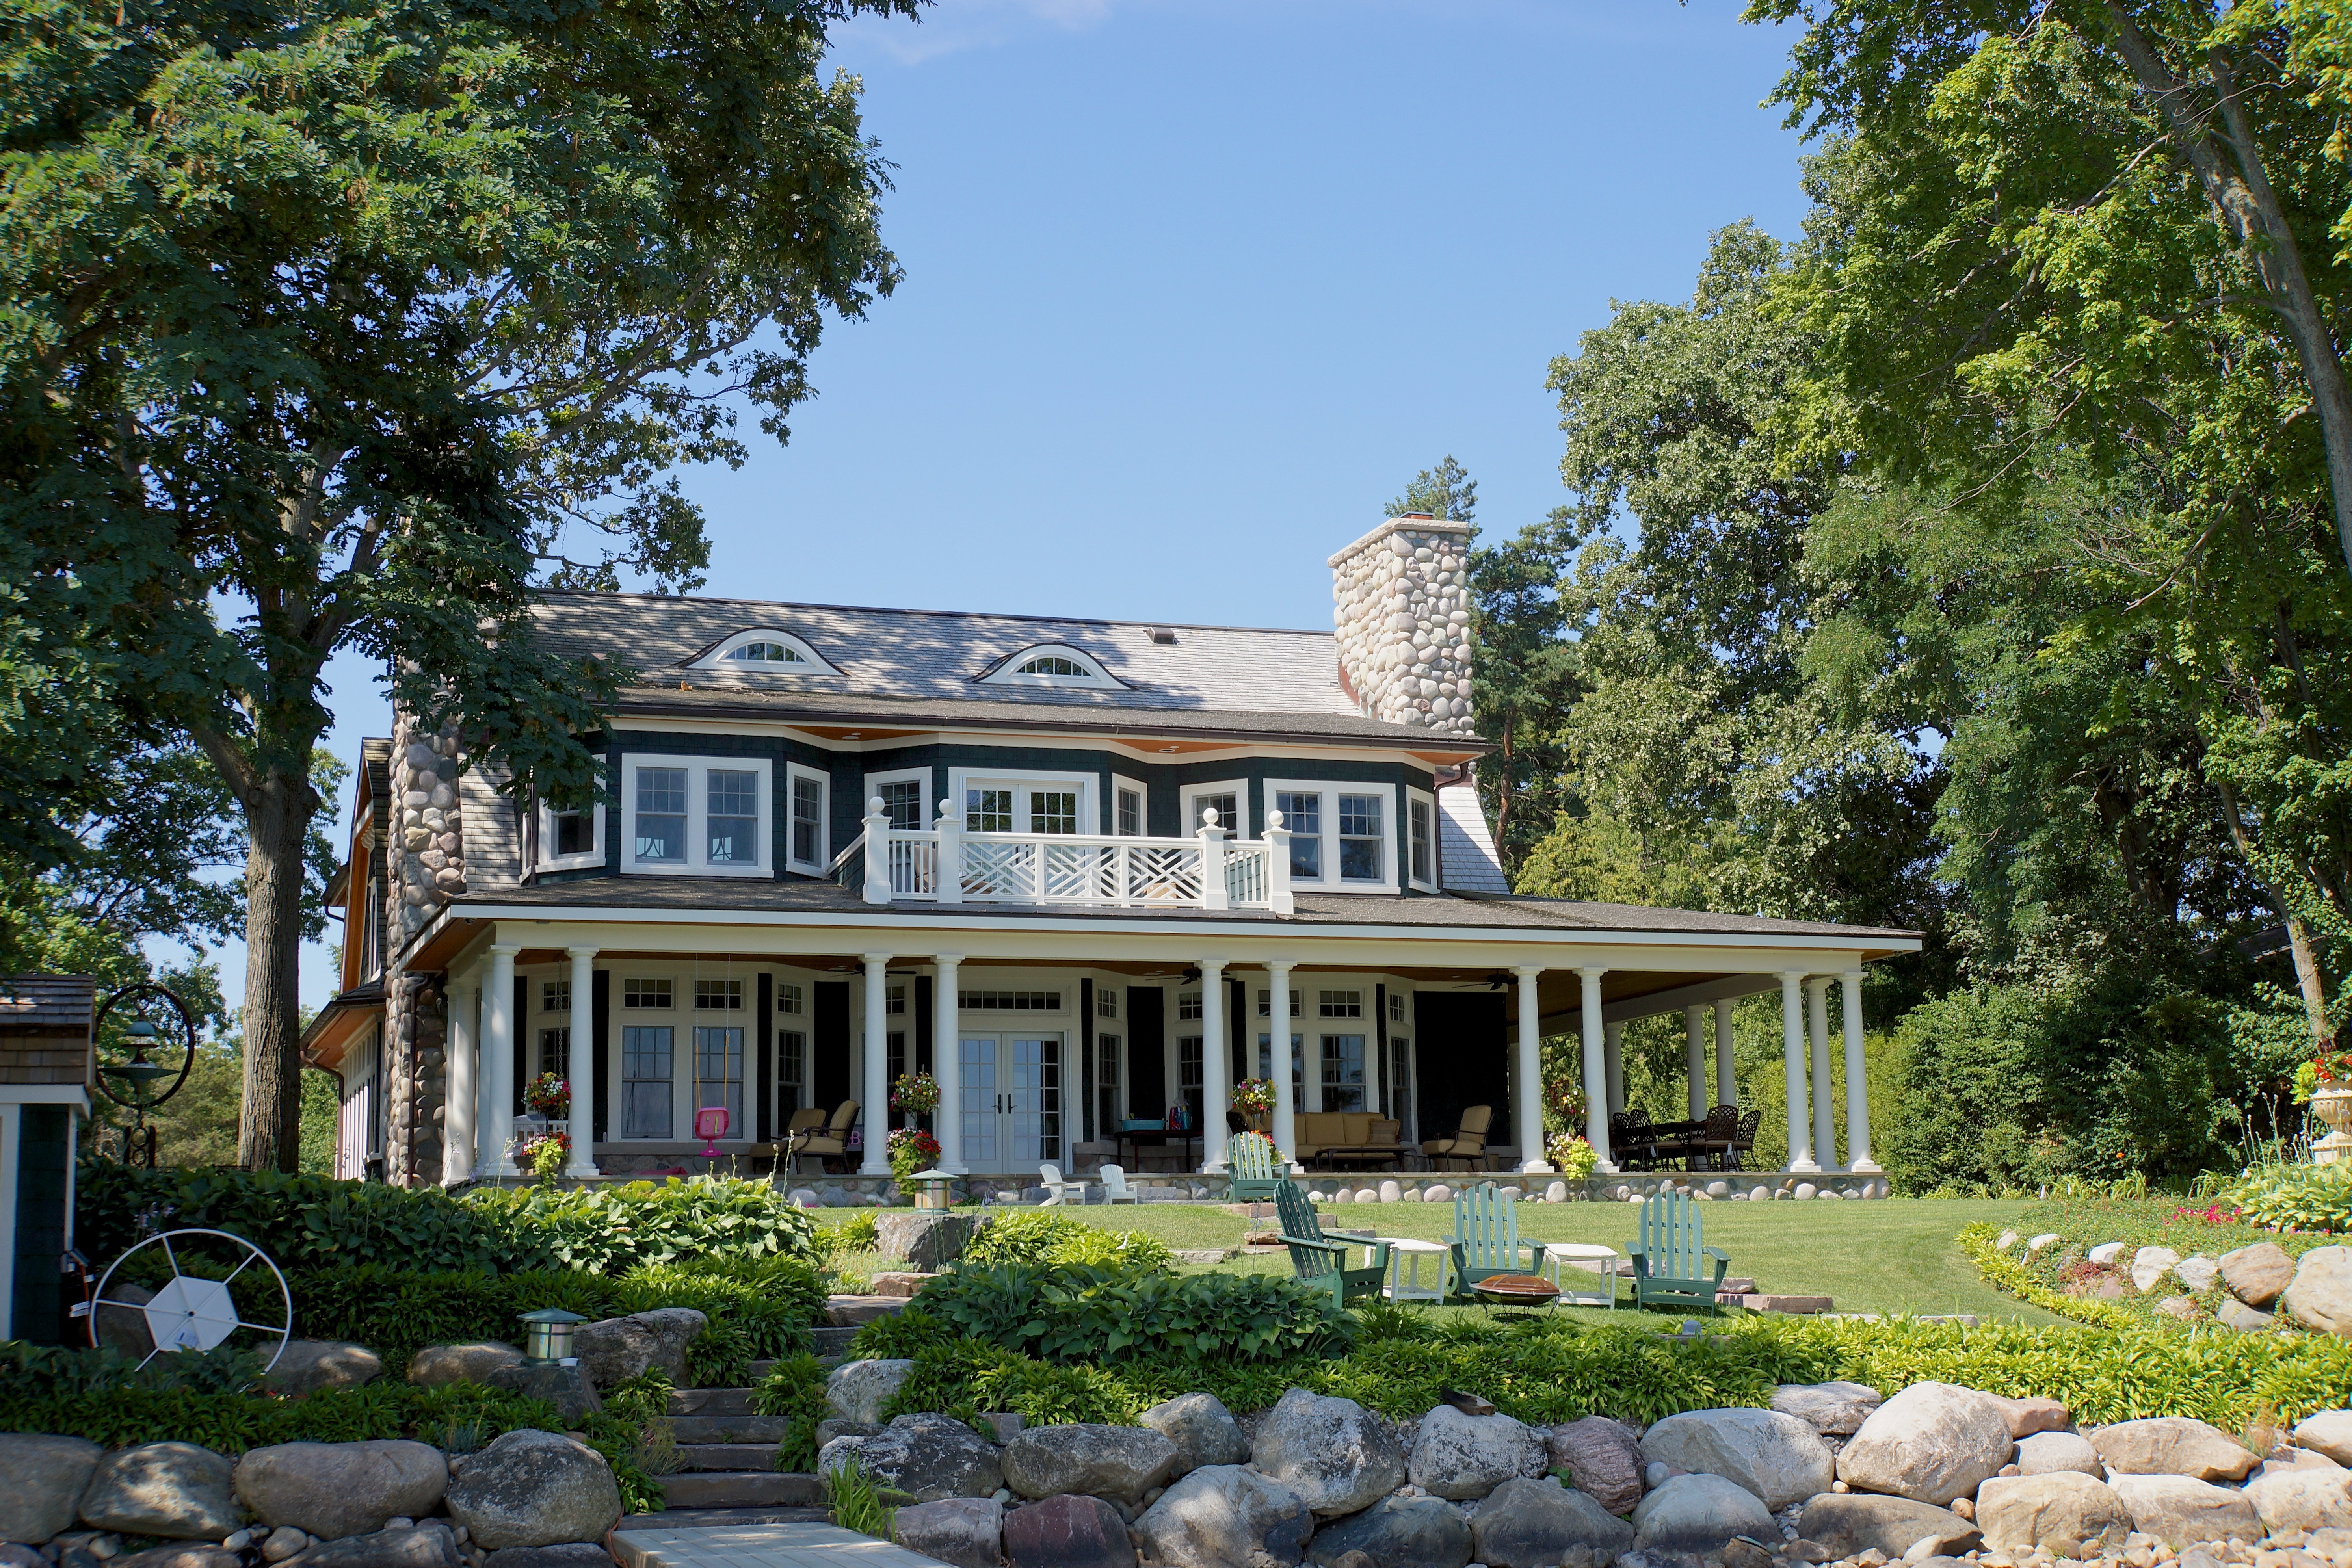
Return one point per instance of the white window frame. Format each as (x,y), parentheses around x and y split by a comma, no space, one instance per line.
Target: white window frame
(870,785)
(793,773)
(545,859)
(1007,672)
(1428,801)
(1189,813)
(1330,789)
(962,779)
(697,814)
(717,659)
(1120,782)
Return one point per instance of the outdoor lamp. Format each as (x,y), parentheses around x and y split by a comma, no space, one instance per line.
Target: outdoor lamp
(935,1188)
(547,1336)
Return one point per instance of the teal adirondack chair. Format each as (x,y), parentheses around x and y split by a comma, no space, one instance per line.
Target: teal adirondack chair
(1486,1236)
(1324,1264)
(1671,1253)
(1252,1158)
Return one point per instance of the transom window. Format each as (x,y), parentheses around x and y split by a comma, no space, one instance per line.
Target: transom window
(646,993)
(1340,1004)
(1188,1004)
(1053,664)
(695,815)
(555,995)
(1009,1001)
(1107,1003)
(718,996)
(767,653)
(765,650)
(1265,1005)
(788,998)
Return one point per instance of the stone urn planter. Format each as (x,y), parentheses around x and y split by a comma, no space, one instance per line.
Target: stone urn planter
(2332,1103)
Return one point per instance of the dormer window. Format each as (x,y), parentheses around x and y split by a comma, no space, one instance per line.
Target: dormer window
(763,651)
(1054,665)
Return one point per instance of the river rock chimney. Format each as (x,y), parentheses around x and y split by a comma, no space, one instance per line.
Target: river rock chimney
(1401,605)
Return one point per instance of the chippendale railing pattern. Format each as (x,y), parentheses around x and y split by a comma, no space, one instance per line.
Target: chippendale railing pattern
(1208,871)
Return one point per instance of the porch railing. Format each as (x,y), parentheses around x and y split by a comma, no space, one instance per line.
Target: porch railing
(945,863)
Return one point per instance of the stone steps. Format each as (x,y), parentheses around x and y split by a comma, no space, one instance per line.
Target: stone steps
(698,1489)
(726,1456)
(710,1402)
(713,1518)
(700,1429)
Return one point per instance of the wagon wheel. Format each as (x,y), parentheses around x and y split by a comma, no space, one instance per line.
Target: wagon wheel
(191,1312)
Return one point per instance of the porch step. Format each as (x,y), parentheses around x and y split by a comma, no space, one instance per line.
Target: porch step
(719,1518)
(742,1489)
(710,1402)
(726,1456)
(831,1341)
(699,1429)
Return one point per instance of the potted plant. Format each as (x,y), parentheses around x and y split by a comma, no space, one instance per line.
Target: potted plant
(915,1095)
(544,1156)
(1571,1155)
(549,1096)
(910,1149)
(2331,1101)
(1254,1098)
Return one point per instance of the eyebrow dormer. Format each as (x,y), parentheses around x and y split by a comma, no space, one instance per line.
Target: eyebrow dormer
(763,650)
(1053,664)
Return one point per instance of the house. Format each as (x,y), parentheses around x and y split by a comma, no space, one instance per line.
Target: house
(48,1071)
(1086,872)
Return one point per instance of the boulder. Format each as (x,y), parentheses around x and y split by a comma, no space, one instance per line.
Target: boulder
(2173,1446)
(856,1390)
(2303,1500)
(177,1490)
(1852,1524)
(2028,1416)
(307,1366)
(2236,1314)
(966,1532)
(334,1489)
(1333,1455)
(568,1388)
(2327,1432)
(47,1477)
(1832,1409)
(2049,1453)
(1777,1457)
(2016,1511)
(1529,1523)
(120,1324)
(2257,1275)
(1120,1463)
(2320,1295)
(533,1488)
(1396,1532)
(1226,1516)
(1603,1458)
(928,1456)
(617,1349)
(2149,1266)
(2196,1273)
(1700,1513)
(929,1239)
(1202,1429)
(1933,1442)
(2105,1253)
(182,1554)
(568,1554)
(439,1365)
(2180,1510)
(1462,1456)
(429,1545)
(1068,1531)
(13,1555)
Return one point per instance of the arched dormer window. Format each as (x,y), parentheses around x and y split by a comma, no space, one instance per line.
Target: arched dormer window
(1053,664)
(763,650)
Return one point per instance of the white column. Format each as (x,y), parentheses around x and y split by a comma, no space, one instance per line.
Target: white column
(1216,1064)
(497,1075)
(1817,996)
(875,1113)
(947,1063)
(1612,1061)
(1596,1087)
(1695,1059)
(1528,1094)
(1857,1089)
(1277,1020)
(1726,1074)
(465,1044)
(583,1064)
(1793,1064)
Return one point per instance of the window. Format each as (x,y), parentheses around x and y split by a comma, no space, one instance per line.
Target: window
(767,653)
(1303,815)
(718,996)
(788,998)
(695,815)
(895,998)
(1343,1072)
(1188,1074)
(765,650)
(1188,1004)
(1298,1067)
(719,1074)
(1110,1108)
(645,1081)
(808,846)
(1338,834)
(902,800)
(569,839)
(1266,1006)
(1224,799)
(1396,1007)
(1228,814)
(1422,839)
(555,995)
(1359,838)
(1401,1085)
(1107,1003)
(555,1052)
(1053,811)
(645,993)
(1340,1004)
(1053,664)
(791,1071)
(1009,1001)
(1130,818)
(988,810)
(1052,804)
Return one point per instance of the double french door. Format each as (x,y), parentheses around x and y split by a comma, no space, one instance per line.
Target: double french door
(1010,1088)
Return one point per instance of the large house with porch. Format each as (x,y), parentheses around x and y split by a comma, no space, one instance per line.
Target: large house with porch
(1087,873)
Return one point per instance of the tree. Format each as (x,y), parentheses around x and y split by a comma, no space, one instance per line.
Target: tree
(327,326)
(1446,493)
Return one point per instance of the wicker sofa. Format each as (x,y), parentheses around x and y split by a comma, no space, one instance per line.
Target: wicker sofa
(1316,1131)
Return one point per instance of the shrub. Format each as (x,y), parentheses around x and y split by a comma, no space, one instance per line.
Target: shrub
(1038,1237)
(1071,1314)
(858,1233)
(897,1336)
(2296,1198)
(794,1389)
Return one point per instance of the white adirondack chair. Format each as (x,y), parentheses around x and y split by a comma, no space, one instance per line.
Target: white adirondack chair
(1058,1191)
(1115,1187)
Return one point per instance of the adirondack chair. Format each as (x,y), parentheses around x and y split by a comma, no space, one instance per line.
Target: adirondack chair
(1252,1155)
(1115,1187)
(1670,1255)
(1486,1237)
(1324,1263)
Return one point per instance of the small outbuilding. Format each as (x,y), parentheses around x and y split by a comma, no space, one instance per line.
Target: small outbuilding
(46,1067)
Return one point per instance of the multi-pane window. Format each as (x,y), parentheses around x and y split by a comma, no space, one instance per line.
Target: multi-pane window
(1400,1084)
(1298,1066)
(1340,1004)
(1265,1004)
(719,1074)
(1343,1072)
(1227,808)
(1396,1007)
(788,997)
(555,1052)
(902,802)
(988,810)
(791,1071)
(1054,665)
(808,819)
(1109,1106)
(1053,811)
(645,993)
(1107,1003)
(767,653)
(1424,848)
(1130,813)
(555,995)
(734,816)
(1009,1001)
(571,833)
(1188,1004)
(1359,838)
(718,996)
(893,998)
(1188,1074)
(1303,815)
(661,814)
(645,1081)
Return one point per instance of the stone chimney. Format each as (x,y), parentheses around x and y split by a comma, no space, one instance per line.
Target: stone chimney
(1401,608)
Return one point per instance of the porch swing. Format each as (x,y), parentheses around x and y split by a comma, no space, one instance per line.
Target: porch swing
(711,1122)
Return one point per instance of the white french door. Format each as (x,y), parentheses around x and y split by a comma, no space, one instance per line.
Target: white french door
(1012,1095)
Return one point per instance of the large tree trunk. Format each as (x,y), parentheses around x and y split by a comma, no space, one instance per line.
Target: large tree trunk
(2310,979)
(269,1124)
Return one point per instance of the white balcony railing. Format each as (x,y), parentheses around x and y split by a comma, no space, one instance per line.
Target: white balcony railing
(1208,871)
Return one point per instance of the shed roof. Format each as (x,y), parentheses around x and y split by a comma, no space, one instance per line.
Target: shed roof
(46,1003)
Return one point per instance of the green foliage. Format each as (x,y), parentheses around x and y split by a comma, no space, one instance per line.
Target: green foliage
(897,1335)
(2007,1273)
(856,1502)
(2296,1198)
(1046,1395)
(1094,1314)
(794,1389)
(1040,1237)
(858,1233)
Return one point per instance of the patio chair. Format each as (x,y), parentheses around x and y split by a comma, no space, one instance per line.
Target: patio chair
(1468,1143)
(1115,1187)
(1058,1191)
(1629,1139)
(1710,1147)
(1252,1156)
(1670,1255)
(1320,1263)
(1744,1141)
(1486,1237)
(805,1121)
(828,1142)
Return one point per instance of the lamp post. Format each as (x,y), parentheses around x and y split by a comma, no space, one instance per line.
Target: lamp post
(547,1337)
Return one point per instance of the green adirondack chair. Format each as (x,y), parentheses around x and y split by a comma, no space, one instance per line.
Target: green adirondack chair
(1671,1253)
(1324,1264)
(1252,1158)
(1486,1237)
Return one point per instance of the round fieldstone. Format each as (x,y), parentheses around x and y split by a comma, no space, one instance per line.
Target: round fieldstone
(1202,1430)
(533,1488)
(177,1490)
(1396,1532)
(1227,1516)
(1333,1455)
(1532,1523)
(1777,1456)
(1700,1513)
(334,1489)
(1462,1456)
(1120,1463)
(47,1477)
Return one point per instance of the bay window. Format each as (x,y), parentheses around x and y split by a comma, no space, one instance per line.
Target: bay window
(704,816)
(1341,833)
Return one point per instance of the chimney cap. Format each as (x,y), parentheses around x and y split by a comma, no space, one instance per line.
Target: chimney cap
(1424,516)
(1161,633)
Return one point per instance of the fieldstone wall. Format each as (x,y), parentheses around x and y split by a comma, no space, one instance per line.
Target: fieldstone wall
(425,850)
(1401,610)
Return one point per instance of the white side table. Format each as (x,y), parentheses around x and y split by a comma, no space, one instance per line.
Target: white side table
(1404,1278)
(1561,1259)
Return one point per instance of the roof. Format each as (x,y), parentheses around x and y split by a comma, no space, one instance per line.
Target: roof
(375,758)
(1466,849)
(925,666)
(31,1002)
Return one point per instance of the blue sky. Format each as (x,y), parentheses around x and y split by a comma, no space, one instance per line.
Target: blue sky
(1194,285)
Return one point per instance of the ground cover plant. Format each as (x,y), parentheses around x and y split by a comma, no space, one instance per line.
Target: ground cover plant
(1048,1236)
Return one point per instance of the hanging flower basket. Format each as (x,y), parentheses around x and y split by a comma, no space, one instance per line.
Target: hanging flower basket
(549,1096)
(1254,1098)
(915,1091)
